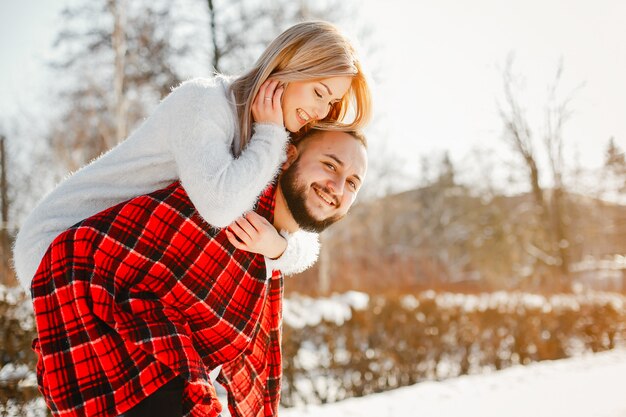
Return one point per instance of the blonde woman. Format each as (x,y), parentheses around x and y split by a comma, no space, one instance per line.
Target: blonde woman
(224,138)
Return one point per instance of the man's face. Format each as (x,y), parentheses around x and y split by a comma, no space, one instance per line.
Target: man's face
(322,182)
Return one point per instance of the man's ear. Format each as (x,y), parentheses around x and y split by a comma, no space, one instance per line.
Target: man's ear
(292,155)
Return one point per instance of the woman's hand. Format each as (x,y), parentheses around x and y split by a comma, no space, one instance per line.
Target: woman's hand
(253,233)
(266,107)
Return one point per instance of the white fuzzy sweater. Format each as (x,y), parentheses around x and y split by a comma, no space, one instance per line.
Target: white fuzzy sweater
(190,136)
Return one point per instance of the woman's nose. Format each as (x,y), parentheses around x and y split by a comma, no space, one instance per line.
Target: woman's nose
(322,111)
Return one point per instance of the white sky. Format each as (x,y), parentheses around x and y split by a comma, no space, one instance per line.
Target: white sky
(443,63)
(27,30)
(440,64)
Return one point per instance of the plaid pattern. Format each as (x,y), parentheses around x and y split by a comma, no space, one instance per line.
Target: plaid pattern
(147,290)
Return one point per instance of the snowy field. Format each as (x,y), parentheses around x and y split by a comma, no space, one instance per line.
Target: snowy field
(587,386)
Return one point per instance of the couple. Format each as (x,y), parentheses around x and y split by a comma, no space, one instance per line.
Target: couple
(174,268)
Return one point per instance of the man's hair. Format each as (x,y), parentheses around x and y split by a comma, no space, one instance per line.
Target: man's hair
(356,134)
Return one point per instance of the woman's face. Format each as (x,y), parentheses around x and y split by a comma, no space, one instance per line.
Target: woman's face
(304,102)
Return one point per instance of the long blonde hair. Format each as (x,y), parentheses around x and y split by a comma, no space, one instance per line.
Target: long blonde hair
(307,51)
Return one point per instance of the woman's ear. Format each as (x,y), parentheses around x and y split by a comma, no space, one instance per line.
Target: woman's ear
(292,155)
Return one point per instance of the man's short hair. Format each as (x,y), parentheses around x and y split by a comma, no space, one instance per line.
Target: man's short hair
(356,134)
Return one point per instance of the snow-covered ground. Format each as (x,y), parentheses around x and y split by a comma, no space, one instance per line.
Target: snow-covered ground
(586,386)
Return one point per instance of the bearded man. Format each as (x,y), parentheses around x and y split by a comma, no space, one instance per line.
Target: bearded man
(138,304)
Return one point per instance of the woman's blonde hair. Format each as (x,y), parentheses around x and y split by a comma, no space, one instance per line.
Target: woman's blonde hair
(304,52)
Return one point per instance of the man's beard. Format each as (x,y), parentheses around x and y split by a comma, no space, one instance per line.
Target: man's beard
(294,192)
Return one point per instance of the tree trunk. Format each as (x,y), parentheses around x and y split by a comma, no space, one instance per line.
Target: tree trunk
(215,62)
(5,241)
(324,266)
(118,41)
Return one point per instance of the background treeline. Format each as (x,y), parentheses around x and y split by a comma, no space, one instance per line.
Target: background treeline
(448,236)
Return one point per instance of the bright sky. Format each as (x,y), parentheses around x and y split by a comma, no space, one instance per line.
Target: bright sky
(440,67)
(27,30)
(444,61)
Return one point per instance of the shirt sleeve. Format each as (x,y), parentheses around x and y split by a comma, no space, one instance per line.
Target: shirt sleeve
(220,186)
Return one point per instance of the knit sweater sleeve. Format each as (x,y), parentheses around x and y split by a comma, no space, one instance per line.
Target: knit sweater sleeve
(301,253)
(221,186)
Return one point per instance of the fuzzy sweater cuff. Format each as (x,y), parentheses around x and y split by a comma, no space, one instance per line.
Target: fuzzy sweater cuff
(301,253)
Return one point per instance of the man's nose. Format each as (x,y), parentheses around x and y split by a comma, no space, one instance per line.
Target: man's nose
(335,186)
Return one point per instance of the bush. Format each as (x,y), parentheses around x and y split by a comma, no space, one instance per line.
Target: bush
(19,395)
(393,342)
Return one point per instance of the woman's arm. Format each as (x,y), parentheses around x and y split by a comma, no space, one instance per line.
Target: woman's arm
(219,185)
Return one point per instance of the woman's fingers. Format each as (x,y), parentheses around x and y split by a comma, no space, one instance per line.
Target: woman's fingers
(246,226)
(278,94)
(266,107)
(269,92)
(266,92)
(239,232)
(257,221)
(260,96)
(233,240)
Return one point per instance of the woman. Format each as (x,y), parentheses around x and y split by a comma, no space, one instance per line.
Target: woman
(223,138)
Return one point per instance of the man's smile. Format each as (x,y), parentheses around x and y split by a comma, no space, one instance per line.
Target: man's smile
(324,196)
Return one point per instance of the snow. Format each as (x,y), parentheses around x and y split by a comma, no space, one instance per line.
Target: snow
(22,310)
(11,372)
(300,311)
(586,386)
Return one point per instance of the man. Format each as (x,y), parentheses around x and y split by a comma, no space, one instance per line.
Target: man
(137,304)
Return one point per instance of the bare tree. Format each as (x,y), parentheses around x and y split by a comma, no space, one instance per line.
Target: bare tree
(613,179)
(549,245)
(615,169)
(241,29)
(122,58)
(557,113)
(119,45)
(5,241)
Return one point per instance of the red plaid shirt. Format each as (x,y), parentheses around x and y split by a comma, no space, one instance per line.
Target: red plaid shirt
(146,290)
